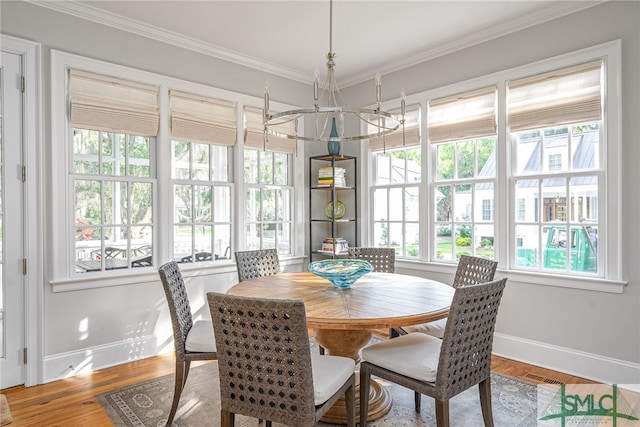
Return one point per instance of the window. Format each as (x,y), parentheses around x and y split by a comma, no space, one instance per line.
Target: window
(202,192)
(522,209)
(113,201)
(202,199)
(148,172)
(563,110)
(396,191)
(516,171)
(462,130)
(114,126)
(555,162)
(268,199)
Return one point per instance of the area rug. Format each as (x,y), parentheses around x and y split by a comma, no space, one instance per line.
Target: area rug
(147,404)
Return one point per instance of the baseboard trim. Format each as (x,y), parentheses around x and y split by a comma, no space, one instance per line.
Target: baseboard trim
(574,362)
(68,364)
(586,365)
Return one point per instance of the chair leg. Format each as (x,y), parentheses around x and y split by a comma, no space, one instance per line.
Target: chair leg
(484,387)
(442,413)
(182,368)
(350,401)
(227,419)
(365,383)
(417,397)
(187,366)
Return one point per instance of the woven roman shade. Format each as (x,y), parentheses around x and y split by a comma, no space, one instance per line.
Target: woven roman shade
(467,115)
(568,95)
(110,104)
(395,139)
(254,133)
(202,119)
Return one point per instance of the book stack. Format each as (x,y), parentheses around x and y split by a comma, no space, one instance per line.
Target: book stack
(328,176)
(341,246)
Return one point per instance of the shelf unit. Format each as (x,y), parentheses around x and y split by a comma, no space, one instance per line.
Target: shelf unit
(322,226)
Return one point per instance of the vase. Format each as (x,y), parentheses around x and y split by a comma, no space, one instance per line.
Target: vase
(333,145)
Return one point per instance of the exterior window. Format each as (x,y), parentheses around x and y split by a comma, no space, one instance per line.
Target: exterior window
(202,199)
(268,203)
(396,191)
(555,162)
(522,205)
(113,204)
(487,210)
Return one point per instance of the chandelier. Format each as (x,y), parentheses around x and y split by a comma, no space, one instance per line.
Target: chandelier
(330,110)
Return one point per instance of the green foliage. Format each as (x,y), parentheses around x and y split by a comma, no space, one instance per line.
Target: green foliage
(412,251)
(486,243)
(461,253)
(463,241)
(464,231)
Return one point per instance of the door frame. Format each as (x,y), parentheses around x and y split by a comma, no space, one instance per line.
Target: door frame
(34,203)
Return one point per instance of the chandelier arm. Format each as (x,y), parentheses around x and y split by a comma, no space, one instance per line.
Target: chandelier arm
(383,122)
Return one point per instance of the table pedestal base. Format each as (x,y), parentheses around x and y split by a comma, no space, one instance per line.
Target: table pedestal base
(348,343)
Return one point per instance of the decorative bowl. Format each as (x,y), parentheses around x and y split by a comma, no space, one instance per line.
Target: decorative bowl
(342,273)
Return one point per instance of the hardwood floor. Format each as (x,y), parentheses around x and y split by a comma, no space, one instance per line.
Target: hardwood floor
(72,402)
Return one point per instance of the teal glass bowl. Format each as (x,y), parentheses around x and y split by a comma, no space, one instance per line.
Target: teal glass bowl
(342,273)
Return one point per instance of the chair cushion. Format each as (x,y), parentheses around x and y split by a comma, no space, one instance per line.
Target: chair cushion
(329,374)
(200,338)
(435,329)
(414,355)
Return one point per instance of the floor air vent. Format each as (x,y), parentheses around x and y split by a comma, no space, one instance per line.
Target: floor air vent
(542,380)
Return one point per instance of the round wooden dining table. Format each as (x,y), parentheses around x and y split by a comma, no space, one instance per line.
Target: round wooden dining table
(343,319)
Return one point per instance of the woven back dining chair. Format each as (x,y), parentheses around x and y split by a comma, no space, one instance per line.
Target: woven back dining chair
(192,340)
(442,368)
(257,263)
(266,367)
(382,259)
(471,270)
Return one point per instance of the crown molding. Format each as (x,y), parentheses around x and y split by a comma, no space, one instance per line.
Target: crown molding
(91,13)
(559,9)
(84,11)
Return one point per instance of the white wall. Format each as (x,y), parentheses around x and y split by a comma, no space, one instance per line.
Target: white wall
(569,329)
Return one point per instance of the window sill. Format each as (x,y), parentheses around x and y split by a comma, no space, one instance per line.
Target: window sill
(595,284)
(150,275)
(140,276)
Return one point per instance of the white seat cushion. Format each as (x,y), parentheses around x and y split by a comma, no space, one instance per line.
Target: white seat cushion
(329,374)
(200,338)
(435,329)
(414,355)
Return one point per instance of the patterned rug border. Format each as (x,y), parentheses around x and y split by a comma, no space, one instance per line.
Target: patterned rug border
(147,403)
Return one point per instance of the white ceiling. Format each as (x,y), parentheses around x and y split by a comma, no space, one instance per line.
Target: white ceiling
(291,38)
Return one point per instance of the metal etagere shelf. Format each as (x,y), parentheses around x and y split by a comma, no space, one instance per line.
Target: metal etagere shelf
(326,199)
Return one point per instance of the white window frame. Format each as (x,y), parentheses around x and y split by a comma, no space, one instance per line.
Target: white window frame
(61,203)
(505,213)
(261,187)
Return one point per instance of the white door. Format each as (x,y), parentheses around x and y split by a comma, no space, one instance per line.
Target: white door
(12,332)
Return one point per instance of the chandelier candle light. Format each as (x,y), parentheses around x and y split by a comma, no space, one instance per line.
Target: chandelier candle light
(330,110)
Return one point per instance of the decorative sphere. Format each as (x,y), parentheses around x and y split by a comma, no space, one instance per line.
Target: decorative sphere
(342,273)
